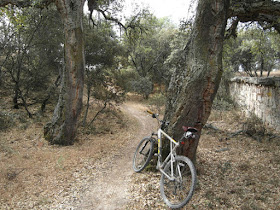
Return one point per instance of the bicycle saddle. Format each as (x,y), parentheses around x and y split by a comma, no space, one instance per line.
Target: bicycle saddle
(191,129)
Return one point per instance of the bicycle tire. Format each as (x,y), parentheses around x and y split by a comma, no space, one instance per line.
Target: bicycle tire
(176,193)
(143,154)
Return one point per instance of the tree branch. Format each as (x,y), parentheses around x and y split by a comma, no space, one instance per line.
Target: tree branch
(111,18)
(262,11)
(231,32)
(101,110)
(26,3)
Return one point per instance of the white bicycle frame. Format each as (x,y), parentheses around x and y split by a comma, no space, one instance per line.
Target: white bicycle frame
(173,145)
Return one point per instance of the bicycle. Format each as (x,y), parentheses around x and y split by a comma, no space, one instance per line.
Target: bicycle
(178,174)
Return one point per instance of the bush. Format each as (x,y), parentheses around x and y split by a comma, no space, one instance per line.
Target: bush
(6,121)
(142,86)
(158,100)
(124,78)
(224,104)
(254,127)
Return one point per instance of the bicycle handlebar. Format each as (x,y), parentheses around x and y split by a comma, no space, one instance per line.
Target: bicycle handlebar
(189,131)
(161,123)
(150,112)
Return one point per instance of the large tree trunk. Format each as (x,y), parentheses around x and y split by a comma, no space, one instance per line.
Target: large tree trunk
(191,92)
(63,126)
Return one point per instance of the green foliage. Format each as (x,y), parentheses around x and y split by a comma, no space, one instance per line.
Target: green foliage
(101,46)
(124,78)
(102,53)
(157,100)
(31,55)
(176,60)
(148,46)
(255,49)
(142,86)
(15,16)
(6,121)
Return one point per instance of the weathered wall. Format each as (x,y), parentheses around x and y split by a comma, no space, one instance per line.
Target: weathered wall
(260,96)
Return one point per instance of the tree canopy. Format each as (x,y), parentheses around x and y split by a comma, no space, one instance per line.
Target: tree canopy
(253,50)
(187,61)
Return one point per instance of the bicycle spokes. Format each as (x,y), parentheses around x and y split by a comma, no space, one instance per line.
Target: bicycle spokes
(177,188)
(143,154)
(145,150)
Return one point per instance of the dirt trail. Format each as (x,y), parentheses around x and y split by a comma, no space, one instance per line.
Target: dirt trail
(110,187)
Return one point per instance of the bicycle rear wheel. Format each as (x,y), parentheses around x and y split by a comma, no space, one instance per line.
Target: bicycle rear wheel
(177,192)
(143,154)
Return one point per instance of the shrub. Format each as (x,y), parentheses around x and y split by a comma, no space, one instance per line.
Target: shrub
(142,86)
(6,121)
(158,100)
(124,78)
(254,127)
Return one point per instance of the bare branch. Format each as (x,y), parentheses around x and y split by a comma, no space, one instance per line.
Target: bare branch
(111,18)
(93,5)
(101,110)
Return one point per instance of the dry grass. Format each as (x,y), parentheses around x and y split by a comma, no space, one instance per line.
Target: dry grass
(33,173)
(233,172)
(245,176)
(275,73)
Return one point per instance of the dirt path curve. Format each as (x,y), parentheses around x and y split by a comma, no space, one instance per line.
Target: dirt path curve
(110,186)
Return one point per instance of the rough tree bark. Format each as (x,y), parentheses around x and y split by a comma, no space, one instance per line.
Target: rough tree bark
(191,92)
(63,126)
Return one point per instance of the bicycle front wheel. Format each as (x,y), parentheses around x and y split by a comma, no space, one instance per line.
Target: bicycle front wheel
(177,191)
(143,154)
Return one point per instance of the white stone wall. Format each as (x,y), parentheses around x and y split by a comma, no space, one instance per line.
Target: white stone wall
(260,96)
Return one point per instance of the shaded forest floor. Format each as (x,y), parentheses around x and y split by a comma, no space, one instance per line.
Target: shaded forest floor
(238,166)
(235,170)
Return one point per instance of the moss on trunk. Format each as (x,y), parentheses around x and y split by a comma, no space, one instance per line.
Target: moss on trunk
(191,92)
